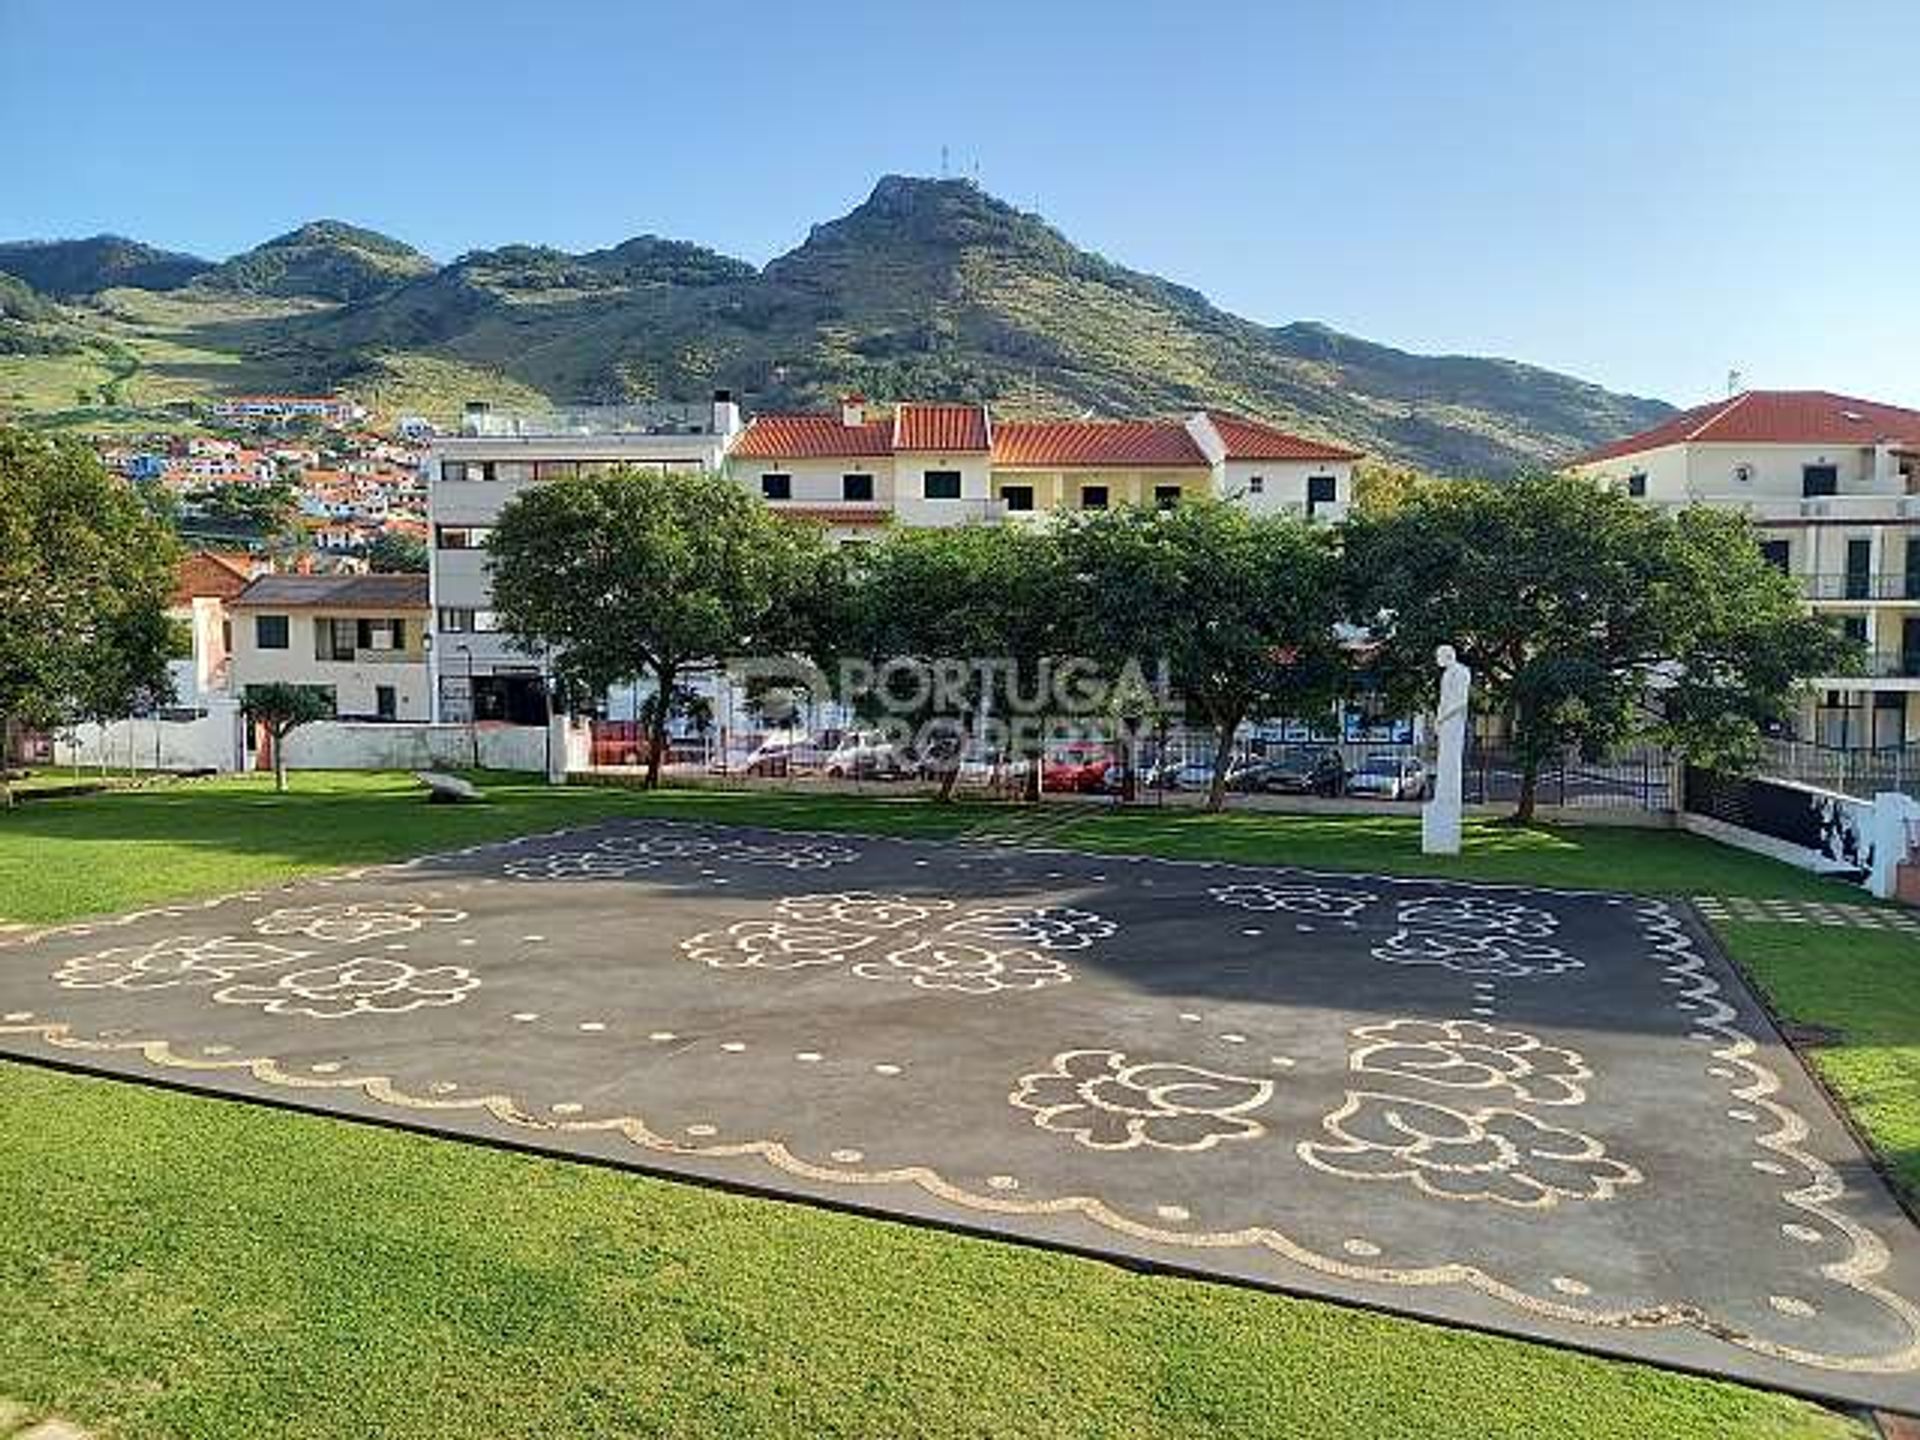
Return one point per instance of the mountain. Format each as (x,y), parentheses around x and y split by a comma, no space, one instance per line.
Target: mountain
(67,268)
(929,289)
(322,260)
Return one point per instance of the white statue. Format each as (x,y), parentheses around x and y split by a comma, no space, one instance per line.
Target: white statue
(1440,819)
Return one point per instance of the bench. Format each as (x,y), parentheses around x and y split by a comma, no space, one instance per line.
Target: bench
(445,789)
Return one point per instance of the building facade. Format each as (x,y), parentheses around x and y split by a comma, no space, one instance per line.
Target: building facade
(360,639)
(1832,484)
(476,672)
(852,471)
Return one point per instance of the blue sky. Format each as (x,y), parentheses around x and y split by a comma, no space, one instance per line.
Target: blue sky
(1642,194)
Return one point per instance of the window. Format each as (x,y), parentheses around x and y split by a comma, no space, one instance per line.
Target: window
(776,487)
(1093,497)
(1637,485)
(1819,479)
(384,703)
(455,621)
(856,487)
(485,622)
(1017,497)
(1166,496)
(466,470)
(1256,484)
(462,537)
(270,632)
(513,471)
(1859,568)
(335,638)
(941,485)
(1777,553)
(555,469)
(1321,490)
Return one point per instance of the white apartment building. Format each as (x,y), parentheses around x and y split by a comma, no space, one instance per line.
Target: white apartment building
(475,671)
(852,471)
(1833,485)
(360,639)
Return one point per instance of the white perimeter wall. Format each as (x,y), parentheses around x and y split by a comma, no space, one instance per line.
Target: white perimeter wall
(346,745)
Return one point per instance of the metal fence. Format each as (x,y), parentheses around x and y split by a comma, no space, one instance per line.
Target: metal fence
(1859,771)
(1153,770)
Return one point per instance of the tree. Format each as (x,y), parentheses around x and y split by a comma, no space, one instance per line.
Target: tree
(1590,620)
(1241,609)
(86,574)
(952,620)
(283,709)
(394,552)
(630,573)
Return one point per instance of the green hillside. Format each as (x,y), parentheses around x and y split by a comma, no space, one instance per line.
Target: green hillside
(101,262)
(927,289)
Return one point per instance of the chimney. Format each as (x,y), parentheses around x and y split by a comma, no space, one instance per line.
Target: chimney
(726,414)
(853,410)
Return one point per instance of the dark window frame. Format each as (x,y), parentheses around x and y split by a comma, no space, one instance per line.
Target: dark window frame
(856,486)
(1096,497)
(948,483)
(1017,497)
(776,485)
(261,630)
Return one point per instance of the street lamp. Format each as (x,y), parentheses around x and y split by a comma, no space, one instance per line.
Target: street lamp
(473,709)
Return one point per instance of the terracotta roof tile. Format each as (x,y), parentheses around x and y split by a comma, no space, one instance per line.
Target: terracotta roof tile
(947,428)
(1254,440)
(807,437)
(207,573)
(1070,443)
(1774,417)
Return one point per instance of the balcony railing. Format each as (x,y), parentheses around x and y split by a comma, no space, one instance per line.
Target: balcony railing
(1860,585)
(1892,665)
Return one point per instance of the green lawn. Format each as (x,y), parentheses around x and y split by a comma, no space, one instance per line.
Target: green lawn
(153,844)
(176,1266)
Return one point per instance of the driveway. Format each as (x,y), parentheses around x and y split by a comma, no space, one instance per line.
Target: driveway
(1551,1114)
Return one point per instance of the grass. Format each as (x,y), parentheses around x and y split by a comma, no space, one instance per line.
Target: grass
(177,1266)
(184,1267)
(161,843)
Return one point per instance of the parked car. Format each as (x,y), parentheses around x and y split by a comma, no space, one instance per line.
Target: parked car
(1389,777)
(1187,775)
(1079,769)
(870,756)
(1323,773)
(778,754)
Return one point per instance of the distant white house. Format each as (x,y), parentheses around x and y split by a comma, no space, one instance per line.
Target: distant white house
(360,639)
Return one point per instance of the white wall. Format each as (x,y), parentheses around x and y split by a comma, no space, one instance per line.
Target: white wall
(353,681)
(349,745)
(210,743)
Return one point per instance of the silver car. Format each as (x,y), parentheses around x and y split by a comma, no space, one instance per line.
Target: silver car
(1388,777)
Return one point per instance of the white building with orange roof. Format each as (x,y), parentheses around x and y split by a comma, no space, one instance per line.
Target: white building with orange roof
(1832,483)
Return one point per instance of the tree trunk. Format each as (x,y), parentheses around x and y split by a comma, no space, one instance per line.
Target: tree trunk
(6,762)
(1129,769)
(1529,785)
(657,728)
(279,738)
(1222,758)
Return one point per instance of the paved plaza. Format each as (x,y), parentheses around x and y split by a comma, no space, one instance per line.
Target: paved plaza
(1552,1114)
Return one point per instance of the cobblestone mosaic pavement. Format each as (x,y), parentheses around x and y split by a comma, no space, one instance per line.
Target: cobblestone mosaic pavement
(1552,1114)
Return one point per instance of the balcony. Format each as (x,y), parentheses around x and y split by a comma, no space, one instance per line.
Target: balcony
(1860,585)
(1892,665)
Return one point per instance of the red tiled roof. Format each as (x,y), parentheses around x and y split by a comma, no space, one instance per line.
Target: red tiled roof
(808,437)
(1071,443)
(947,428)
(1774,417)
(1252,440)
(205,573)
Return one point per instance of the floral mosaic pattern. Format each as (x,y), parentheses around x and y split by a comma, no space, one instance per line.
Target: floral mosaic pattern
(1299,899)
(1104,1101)
(789,855)
(923,942)
(165,964)
(363,985)
(352,924)
(1476,935)
(1472,1055)
(1496,1154)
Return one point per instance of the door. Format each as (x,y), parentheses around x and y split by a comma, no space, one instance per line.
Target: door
(1859,569)
(384,704)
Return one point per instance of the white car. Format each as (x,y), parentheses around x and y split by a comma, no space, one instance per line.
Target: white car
(870,756)
(778,753)
(1387,777)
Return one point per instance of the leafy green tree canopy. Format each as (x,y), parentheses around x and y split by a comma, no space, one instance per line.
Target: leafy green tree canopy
(1242,609)
(86,574)
(283,709)
(1590,620)
(632,573)
(394,553)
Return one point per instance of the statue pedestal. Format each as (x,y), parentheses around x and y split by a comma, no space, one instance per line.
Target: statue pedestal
(1440,827)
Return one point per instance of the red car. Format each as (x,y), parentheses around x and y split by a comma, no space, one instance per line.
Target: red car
(1078,769)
